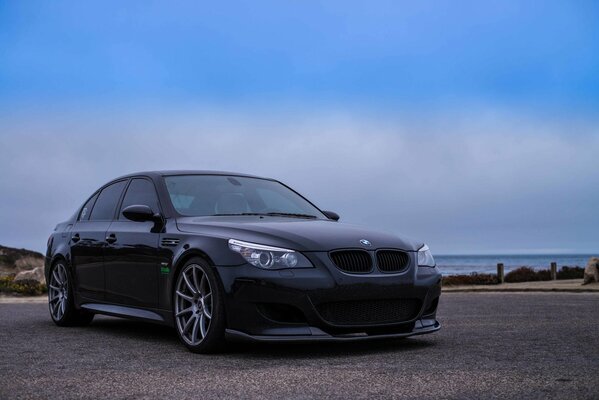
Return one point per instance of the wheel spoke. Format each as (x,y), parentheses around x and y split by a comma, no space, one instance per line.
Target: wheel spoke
(194,273)
(194,331)
(53,287)
(184,311)
(62,273)
(189,284)
(207,305)
(58,311)
(203,326)
(53,299)
(56,278)
(188,324)
(202,284)
(184,296)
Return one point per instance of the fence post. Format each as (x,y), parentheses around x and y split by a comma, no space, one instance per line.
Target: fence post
(553,271)
(500,276)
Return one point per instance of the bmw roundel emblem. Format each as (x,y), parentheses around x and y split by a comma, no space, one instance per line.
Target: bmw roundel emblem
(365,242)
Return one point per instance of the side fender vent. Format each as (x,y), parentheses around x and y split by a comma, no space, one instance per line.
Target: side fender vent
(169,242)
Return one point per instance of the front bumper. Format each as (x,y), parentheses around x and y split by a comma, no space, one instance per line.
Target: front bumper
(289,305)
(319,336)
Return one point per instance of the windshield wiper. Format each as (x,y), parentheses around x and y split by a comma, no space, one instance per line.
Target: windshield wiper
(246,213)
(270,214)
(293,215)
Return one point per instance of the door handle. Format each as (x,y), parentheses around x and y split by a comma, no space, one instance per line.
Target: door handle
(111,238)
(75,238)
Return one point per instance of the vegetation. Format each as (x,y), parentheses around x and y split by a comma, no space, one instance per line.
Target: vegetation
(570,273)
(522,274)
(526,274)
(26,288)
(472,279)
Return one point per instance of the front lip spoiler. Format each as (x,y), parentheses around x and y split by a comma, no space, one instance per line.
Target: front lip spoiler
(235,335)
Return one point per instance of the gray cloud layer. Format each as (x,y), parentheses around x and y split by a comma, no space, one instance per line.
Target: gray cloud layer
(479,183)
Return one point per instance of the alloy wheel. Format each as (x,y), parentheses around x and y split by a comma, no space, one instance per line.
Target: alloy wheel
(58,291)
(193,304)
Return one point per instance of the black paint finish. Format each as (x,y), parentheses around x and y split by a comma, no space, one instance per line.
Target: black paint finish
(128,268)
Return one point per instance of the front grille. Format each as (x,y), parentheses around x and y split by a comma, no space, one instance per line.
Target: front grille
(392,260)
(368,312)
(352,261)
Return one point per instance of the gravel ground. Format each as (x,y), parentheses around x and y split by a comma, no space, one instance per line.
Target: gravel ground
(492,345)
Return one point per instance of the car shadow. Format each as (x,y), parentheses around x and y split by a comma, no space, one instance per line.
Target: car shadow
(331,349)
(132,329)
(148,332)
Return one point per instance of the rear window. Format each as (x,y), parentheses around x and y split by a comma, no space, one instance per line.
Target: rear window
(87,207)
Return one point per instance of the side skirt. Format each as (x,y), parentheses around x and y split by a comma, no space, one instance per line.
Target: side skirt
(126,312)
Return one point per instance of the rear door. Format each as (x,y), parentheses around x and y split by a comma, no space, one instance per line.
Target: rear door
(131,261)
(88,240)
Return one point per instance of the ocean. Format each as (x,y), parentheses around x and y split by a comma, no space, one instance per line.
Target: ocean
(467,264)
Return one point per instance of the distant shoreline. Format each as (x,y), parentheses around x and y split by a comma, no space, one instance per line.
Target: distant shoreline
(481,264)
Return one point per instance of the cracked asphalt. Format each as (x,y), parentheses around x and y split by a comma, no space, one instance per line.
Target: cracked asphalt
(492,345)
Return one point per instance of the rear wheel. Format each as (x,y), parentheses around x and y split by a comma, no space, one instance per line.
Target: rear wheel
(60,299)
(198,308)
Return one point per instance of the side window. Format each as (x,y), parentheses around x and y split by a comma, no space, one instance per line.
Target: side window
(140,192)
(107,201)
(85,211)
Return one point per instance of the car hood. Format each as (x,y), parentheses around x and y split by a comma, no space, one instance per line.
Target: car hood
(294,233)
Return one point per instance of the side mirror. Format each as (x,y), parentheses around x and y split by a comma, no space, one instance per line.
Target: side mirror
(140,213)
(331,215)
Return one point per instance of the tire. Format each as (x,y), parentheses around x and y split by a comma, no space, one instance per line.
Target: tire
(198,308)
(61,303)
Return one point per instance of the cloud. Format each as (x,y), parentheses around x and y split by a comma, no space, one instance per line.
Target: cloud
(482,182)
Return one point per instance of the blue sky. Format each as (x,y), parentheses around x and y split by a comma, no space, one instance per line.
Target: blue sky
(379,53)
(473,126)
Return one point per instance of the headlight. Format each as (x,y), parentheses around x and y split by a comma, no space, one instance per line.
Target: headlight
(425,257)
(268,257)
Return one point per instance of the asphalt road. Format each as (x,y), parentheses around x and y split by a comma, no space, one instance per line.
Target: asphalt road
(492,345)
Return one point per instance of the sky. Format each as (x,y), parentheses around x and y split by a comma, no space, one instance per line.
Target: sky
(472,126)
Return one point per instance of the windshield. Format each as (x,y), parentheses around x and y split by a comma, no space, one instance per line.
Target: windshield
(207,195)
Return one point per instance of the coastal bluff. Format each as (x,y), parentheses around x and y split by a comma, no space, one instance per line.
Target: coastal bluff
(21,265)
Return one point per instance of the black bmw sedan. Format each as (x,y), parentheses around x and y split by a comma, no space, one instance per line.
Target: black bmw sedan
(231,256)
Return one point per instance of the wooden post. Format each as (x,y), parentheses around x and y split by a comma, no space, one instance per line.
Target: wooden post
(553,271)
(500,276)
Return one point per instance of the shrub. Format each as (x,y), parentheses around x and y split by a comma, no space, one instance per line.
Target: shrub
(570,273)
(472,279)
(28,287)
(526,274)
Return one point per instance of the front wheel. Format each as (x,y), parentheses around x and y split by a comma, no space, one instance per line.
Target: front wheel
(198,308)
(60,299)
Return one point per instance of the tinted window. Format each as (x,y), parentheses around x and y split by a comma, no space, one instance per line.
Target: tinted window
(107,201)
(140,192)
(85,211)
(198,195)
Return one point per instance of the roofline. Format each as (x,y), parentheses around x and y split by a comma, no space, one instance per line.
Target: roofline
(161,173)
